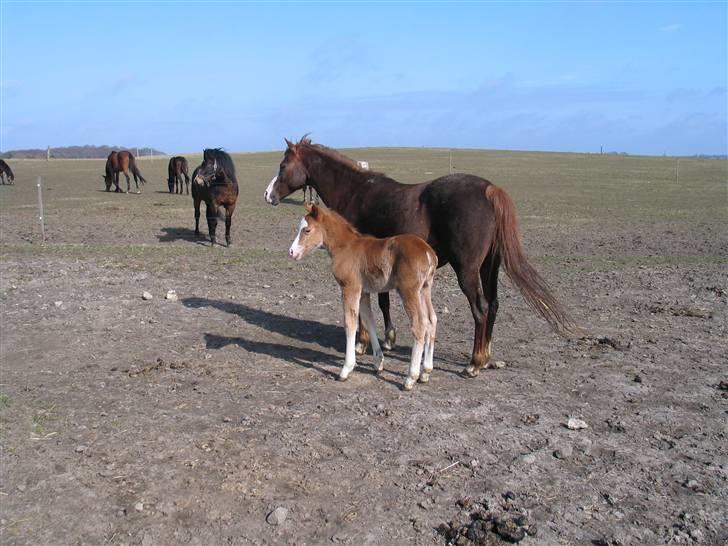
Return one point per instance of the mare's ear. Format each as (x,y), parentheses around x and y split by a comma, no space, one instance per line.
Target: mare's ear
(289,144)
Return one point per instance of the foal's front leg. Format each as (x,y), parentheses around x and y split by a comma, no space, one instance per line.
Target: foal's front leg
(350,296)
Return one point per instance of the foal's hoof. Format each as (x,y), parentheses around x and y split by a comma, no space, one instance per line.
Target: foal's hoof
(408,384)
(378,363)
(342,377)
(471,371)
(425,378)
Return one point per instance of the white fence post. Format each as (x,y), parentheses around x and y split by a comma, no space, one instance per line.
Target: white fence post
(40,210)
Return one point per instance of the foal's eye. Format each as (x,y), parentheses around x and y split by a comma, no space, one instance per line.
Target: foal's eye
(307,230)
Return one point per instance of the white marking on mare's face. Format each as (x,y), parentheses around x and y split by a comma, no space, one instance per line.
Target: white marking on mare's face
(296,250)
(269,190)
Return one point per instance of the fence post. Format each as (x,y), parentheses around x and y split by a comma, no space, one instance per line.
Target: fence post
(40,209)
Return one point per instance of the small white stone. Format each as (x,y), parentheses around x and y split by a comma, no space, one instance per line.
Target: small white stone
(576,424)
(147,296)
(139,507)
(277,516)
(499,364)
(58,303)
(171,295)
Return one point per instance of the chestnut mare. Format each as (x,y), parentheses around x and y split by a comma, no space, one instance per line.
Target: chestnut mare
(363,265)
(122,161)
(176,170)
(469,222)
(215,183)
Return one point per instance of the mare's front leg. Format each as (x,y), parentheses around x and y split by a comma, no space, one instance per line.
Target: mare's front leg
(350,296)
(390,334)
(367,318)
(211,213)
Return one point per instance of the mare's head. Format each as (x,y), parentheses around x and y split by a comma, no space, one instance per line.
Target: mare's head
(292,174)
(310,234)
(215,162)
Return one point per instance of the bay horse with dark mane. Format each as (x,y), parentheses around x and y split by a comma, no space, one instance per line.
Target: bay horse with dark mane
(122,162)
(215,183)
(6,173)
(176,170)
(469,222)
(363,265)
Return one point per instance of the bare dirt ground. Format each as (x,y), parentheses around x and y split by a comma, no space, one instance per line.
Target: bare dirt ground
(217,419)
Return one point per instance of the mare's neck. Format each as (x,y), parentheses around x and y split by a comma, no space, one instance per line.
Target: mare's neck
(333,181)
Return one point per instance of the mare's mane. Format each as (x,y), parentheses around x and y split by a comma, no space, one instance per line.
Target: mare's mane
(224,161)
(329,153)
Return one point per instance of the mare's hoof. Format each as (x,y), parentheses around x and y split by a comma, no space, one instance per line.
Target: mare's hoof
(361,348)
(379,364)
(390,340)
(471,371)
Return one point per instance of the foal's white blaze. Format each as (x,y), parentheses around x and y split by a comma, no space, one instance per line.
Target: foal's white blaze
(296,250)
(269,189)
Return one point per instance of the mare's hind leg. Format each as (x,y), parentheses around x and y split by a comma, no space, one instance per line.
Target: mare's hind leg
(489,278)
(363,343)
(187,183)
(116,182)
(390,334)
(367,318)
(211,213)
(470,284)
(228,222)
(128,182)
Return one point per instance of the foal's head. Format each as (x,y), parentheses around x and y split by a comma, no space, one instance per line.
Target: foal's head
(310,234)
(292,174)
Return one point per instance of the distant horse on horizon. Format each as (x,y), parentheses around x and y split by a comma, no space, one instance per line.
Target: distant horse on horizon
(215,183)
(122,161)
(177,169)
(469,222)
(363,265)
(6,173)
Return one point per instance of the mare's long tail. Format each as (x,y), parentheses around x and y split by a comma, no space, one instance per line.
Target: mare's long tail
(532,286)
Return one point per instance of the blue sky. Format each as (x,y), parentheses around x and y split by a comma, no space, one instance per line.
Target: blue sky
(639,77)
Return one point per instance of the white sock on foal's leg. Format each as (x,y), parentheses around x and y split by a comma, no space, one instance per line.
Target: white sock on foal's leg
(414,369)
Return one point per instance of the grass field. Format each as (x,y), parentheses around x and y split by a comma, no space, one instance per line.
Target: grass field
(125,421)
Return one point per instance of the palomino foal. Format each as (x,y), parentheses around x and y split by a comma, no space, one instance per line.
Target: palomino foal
(364,265)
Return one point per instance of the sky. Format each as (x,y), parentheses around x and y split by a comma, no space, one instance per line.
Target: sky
(634,77)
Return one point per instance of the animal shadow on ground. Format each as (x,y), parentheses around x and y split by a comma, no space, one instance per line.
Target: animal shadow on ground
(309,331)
(171,234)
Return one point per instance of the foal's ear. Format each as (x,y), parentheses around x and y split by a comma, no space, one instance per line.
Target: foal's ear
(308,206)
(313,210)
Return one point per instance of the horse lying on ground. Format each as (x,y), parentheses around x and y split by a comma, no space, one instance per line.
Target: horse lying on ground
(6,173)
(469,222)
(124,162)
(363,265)
(178,169)
(215,183)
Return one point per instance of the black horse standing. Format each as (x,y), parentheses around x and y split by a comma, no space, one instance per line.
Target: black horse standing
(215,183)
(6,173)
(178,169)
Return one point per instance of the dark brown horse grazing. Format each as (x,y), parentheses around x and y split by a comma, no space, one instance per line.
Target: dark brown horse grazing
(122,161)
(177,169)
(215,183)
(6,173)
(469,222)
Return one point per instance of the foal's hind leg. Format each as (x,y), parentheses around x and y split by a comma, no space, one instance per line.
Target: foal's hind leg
(366,317)
(428,360)
(351,296)
(417,316)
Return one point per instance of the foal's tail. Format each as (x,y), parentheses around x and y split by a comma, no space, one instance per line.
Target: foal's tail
(532,286)
(135,170)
